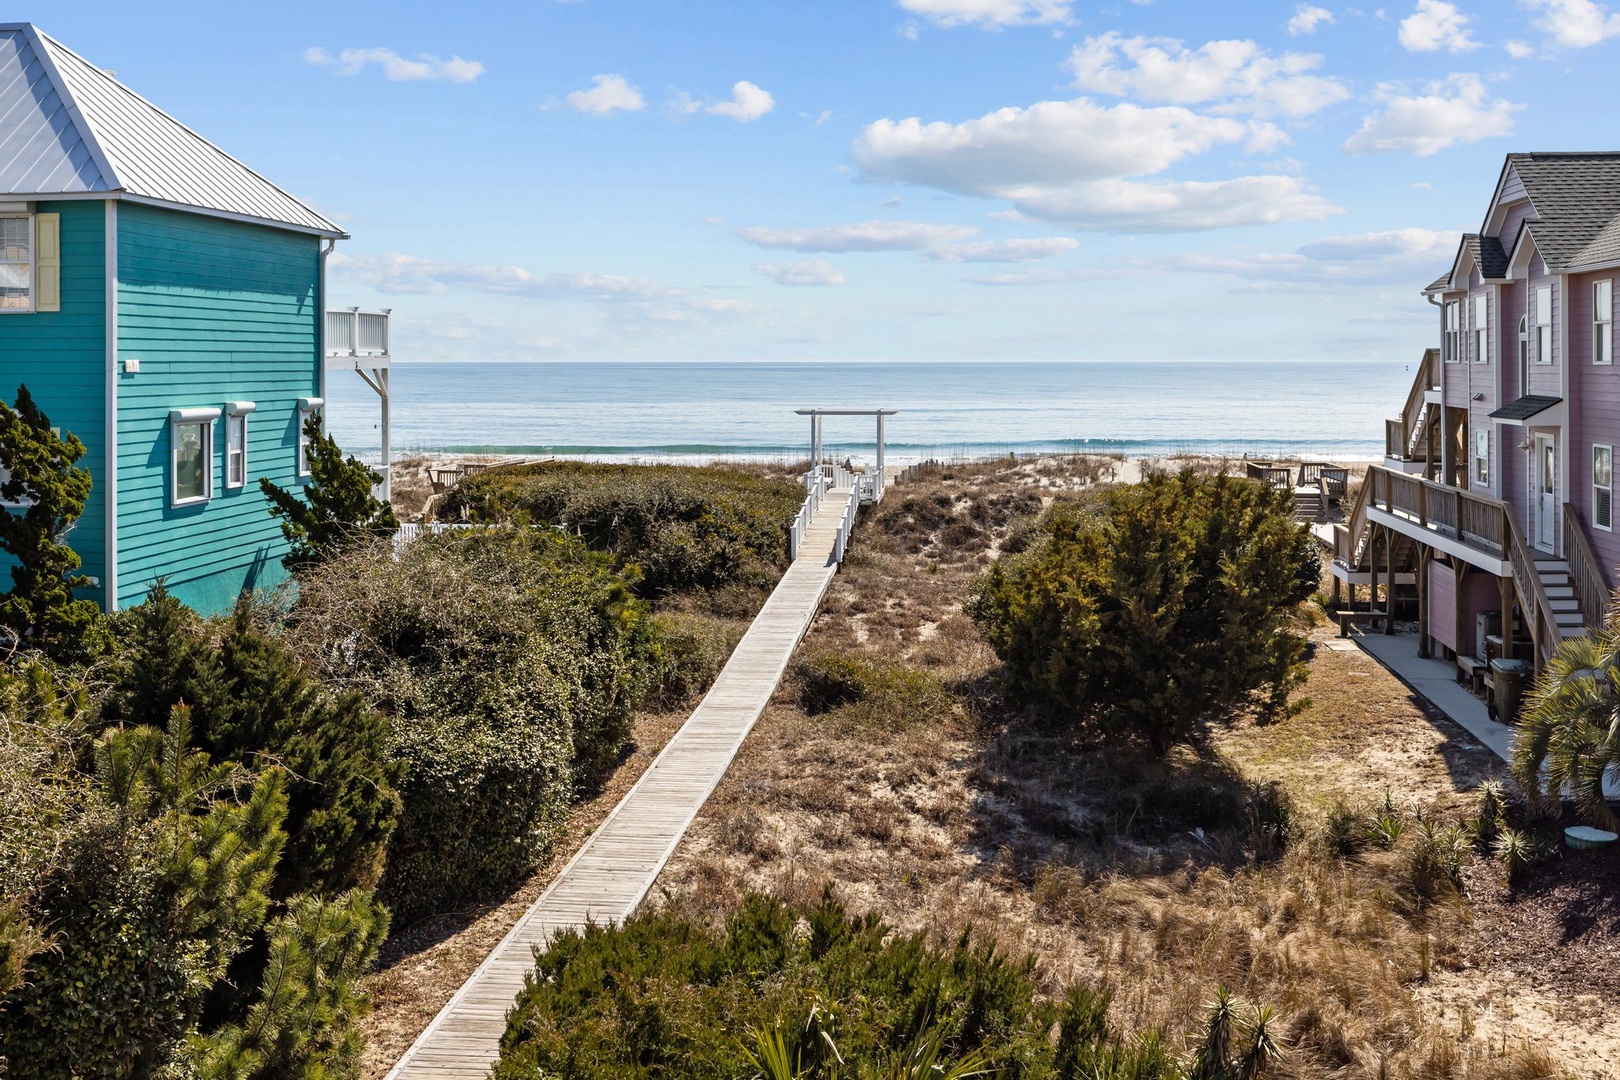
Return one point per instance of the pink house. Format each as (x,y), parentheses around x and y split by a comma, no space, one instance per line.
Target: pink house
(1497,492)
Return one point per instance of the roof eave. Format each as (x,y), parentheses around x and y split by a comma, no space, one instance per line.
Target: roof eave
(330,231)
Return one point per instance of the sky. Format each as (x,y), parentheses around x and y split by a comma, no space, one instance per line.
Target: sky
(879,179)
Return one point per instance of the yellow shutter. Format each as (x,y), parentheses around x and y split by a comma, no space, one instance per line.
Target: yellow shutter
(47,262)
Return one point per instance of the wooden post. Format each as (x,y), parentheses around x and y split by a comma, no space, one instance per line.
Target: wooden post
(1460,571)
(1337,587)
(879,492)
(1422,577)
(1505,586)
(1389,582)
(1372,565)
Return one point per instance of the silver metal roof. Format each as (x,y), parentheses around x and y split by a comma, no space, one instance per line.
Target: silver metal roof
(67,128)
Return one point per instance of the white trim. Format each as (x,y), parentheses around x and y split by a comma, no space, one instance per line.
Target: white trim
(310,404)
(307,405)
(1606,322)
(109,485)
(1595,489)
(240,408)
(237,418)
(203,418)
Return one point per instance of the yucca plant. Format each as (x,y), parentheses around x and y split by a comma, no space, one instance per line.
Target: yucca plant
(1569,732)
(1240,1042)
(1490,811)
(1515,850)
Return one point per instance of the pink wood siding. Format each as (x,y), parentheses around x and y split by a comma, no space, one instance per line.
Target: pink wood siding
(1513,300)
(1510,224)
(1594,415)
(1546,378)
(1443,605)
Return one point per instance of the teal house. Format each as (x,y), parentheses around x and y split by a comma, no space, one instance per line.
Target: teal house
(164,303)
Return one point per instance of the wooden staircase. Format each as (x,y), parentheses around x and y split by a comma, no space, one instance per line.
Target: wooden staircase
(1557,583)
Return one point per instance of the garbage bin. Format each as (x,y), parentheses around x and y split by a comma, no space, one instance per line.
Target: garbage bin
(1508,678)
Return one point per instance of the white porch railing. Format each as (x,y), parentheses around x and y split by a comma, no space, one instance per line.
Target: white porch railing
(815,485)
(845,528)
(357,333)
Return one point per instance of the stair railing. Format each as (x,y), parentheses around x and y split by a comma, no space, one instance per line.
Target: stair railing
(1533,599)
(1585,572)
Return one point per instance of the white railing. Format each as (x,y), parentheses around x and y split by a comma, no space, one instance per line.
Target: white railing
(845,528)
(356,333)
(815,484)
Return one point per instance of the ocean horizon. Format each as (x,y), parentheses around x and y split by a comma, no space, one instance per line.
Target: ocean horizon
(709,410)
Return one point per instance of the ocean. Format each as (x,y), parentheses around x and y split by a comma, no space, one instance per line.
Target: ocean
(704,411)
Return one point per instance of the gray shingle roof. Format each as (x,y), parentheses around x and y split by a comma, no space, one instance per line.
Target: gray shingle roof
(1524,408)
(1577,200)
(69,128)
(1488,254)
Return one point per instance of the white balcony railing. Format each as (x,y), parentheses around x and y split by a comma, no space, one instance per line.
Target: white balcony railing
(357,333)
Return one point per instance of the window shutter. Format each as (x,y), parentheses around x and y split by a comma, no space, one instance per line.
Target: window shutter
(48,262)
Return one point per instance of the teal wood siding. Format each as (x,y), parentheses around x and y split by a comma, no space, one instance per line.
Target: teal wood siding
(215,311)
(62,358)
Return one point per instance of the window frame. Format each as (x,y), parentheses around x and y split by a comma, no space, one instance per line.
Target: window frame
(1451,331)
(306,407)
(1608,450)
(1482,325)
(236,418)
(1482,458)
(183,418)
(1603,321)
(1544,335)
(32,263)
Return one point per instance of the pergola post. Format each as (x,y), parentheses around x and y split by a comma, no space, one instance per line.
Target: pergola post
(879,491)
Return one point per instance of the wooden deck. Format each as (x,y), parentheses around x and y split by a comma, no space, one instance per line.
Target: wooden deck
(609,876)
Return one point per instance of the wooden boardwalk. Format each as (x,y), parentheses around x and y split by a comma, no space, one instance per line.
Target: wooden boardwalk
(607,879)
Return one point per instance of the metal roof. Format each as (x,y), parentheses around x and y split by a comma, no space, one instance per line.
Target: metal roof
(1526,407)
(67,128)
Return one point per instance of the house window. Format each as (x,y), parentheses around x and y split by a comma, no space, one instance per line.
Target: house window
(1603,322)
(307,407)
(1482,457)
(1481,328)
(17,263)
(236,414)
(1453,333)
(191,456)
(1544,353)
(1603,487)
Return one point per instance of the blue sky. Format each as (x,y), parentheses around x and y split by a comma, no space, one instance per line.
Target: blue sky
(889,179)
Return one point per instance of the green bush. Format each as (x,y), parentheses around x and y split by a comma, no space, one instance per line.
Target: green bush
(1154,610)
(869,688)
(686,528)
(690,650)
(252,701)
(840,995)
(510,662)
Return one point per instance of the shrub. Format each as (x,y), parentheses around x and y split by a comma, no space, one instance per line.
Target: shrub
(1271,816)
(252,701)
(1564,740)
(334,508)
(1155,609)
(1517,852)
(685,528)
(870,689)
(42,472)
(1490,811)
(510,662)
(690,649)
(838,995)
(1435,861)
(1345,831)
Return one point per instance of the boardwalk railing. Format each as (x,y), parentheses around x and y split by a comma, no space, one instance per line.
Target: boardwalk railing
(1332,479)
(845,528)
(1277,476)
(815,485)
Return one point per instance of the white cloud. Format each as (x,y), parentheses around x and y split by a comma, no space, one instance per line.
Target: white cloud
(423,68)
(864,236)
(1235,76)
(809,272)
(1452,111)
(610,94)
(1436,25)
(1077,162)
(1380,258)
(397,273)
(1576,23)
(748,102)
(1519,50)
(991,14)
(1307,18)
(1024,249)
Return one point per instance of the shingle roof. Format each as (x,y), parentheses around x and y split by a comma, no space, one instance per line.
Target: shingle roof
(1488,254)
(1524,408)
(69,128)
(1577,200)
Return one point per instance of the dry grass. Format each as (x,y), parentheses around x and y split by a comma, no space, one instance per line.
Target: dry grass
(946,812)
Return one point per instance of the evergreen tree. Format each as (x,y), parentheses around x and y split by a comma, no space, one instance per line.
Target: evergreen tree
(48,492)
(334,508)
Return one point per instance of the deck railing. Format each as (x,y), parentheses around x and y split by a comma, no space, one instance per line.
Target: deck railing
(1403,434)
(1333,479)
(357,333)
(1277,476)
(1585,572)
(1395,438)
(845,527)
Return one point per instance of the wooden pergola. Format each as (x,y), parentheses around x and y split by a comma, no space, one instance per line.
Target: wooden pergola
(816,416)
